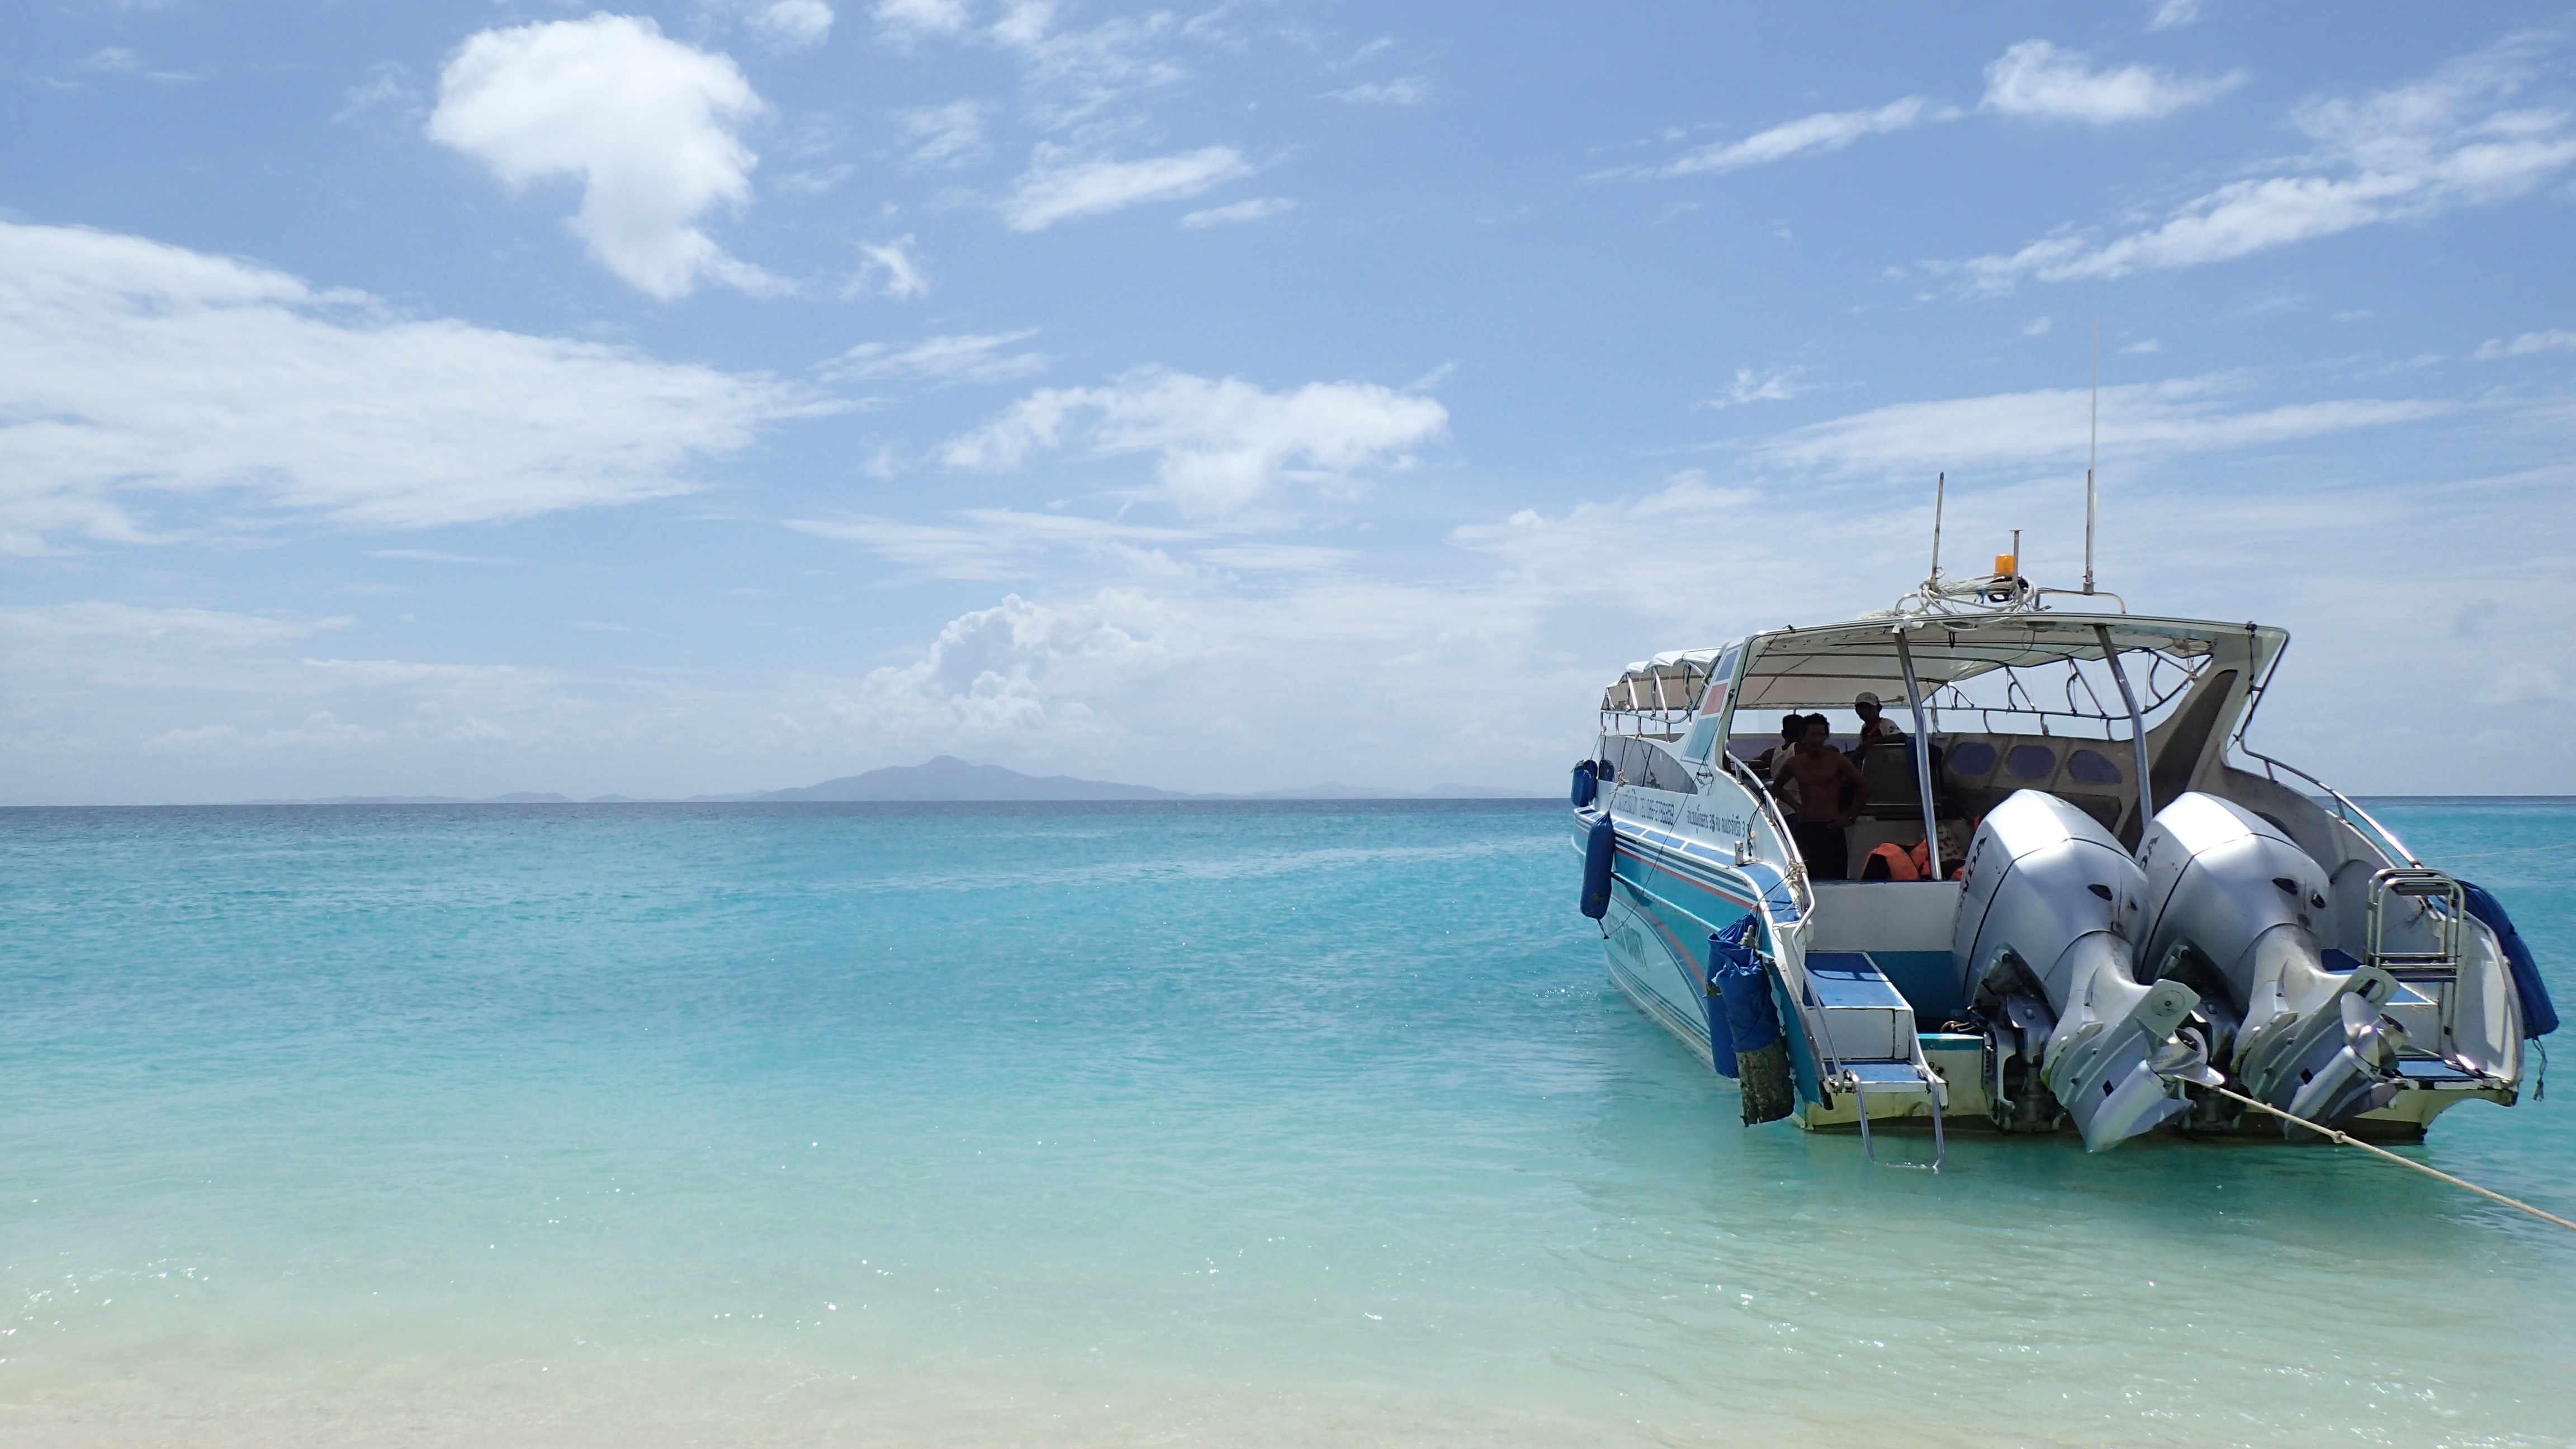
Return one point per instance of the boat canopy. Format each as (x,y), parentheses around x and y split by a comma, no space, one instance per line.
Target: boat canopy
(1825,667)
(1668,684)
(2028,661)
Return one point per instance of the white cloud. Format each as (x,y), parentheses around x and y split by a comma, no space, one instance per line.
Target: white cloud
(2185,415)
(891,269)
(2554,340)
(949,135)
(1771,384)
(1052,190)
(2173,13)
(908,19)
(997,543)
(2038,327)
(1825,131)
(130,369)
(793,24)
(2405,154)
(1220,445)
(2037,80)
(1075,74)
(964,358)
(1410,90)
(1260,208)
(646,123)
(2143,347)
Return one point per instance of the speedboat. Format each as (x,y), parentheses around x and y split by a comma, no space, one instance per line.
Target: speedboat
(2073,897)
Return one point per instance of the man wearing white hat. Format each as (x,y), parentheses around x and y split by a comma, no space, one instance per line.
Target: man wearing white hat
(1875,726)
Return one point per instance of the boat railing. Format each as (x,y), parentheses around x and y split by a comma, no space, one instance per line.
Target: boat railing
(1802,892)
(2351,814)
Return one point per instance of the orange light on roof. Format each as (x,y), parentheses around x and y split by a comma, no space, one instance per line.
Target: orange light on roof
(2006,564)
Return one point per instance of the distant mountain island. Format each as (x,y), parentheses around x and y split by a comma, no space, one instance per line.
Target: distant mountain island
(950,778)
(947,777)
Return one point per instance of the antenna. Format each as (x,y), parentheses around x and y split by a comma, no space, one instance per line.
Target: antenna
(1940,486)
(2092,455)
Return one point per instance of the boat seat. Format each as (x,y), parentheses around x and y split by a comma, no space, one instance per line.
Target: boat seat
(1866,1019)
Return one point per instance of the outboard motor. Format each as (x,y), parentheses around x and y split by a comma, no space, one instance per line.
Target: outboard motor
(2040,954)
(2231,905)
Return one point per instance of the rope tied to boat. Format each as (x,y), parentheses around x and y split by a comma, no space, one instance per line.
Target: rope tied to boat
(2348,1140)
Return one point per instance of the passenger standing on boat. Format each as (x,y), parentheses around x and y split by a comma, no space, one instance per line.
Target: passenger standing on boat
(1792,725)
(1875,726)
(1825,778)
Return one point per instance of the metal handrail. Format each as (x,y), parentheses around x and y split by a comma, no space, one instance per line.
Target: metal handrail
(1797,879)
(2343,804)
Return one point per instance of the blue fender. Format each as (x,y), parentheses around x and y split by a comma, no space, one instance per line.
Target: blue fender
(1727,955)
(1587,779)
(2539,1017)
(1599,847)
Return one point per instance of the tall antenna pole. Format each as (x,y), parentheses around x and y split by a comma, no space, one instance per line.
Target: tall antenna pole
(1940,486)
(2092,455)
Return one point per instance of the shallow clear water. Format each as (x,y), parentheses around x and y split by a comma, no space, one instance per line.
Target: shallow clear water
(1095,1124)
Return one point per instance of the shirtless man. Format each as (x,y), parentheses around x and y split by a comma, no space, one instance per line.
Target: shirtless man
(1822,774)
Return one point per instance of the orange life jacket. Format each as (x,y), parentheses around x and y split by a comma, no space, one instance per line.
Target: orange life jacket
(1920,858)
(1901,864)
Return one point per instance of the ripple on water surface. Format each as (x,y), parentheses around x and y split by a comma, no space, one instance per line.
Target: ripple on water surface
(1085,1124)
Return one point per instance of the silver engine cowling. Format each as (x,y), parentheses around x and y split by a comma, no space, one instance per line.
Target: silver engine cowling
(2040,953)
(2230,904)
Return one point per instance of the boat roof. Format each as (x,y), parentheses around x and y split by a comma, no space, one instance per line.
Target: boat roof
(1825,666)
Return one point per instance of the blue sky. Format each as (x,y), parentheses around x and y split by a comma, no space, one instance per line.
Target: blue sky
(727,394)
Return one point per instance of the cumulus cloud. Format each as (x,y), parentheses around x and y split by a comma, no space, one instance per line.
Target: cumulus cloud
(2529,343)
(936,360)
(1054,189)
(1260,208)
(1220,445)
(130,369)
(644,122)
(2405,154)
(1825,131)
(2184,415)
(2041,82)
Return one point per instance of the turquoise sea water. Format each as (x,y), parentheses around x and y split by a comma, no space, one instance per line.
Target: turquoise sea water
(1110,1124)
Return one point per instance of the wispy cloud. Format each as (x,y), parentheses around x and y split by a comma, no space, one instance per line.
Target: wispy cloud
(2406,154)
(1410,90)
(939,360)
(892,269)
(1054,189)
(2038,81)
(2171,14)
(646,123)
(2184,415)
(1825,131)
(1260,208)
(130,370)
(1770,384)
(949,135)
(2529,343)
(792,24)
(912,19)
(1220,445)
(991,543)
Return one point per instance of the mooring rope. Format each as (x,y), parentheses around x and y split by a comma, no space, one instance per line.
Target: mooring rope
(2351,1141)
